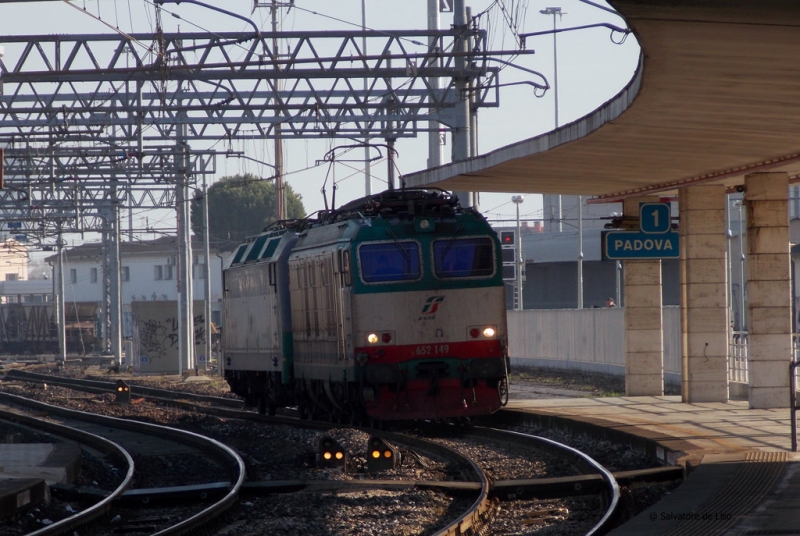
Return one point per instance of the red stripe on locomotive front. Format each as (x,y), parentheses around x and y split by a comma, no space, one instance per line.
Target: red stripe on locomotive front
(388,353)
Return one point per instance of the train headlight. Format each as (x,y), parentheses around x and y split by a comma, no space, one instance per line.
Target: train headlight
(384,337)
(482,332)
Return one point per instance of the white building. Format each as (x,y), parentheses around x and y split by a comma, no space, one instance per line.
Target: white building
(13,260)
(149,272)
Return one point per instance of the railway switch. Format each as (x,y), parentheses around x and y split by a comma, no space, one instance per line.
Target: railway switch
(332,454)
(381,456)
(123,393)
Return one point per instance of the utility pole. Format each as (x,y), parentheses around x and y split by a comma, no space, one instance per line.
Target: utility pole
(461,130)
(116,285)
(186,298)
(62,320)
(280,193)
(207,274)
(367,154)
(434,140)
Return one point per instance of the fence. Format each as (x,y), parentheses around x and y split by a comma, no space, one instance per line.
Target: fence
(737,360)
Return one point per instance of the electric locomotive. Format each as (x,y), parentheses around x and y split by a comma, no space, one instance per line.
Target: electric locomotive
(391,307)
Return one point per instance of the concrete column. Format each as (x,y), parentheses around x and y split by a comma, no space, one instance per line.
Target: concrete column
(704,287)
(644,338)
(769,340)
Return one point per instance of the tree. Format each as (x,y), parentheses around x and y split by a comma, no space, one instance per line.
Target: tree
(241,206)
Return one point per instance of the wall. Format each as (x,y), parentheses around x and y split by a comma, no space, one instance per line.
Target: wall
(155,341)
(590,340)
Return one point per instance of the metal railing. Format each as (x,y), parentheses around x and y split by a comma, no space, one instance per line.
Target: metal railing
(737,355)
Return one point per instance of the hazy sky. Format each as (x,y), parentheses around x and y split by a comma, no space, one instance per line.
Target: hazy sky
(591,70)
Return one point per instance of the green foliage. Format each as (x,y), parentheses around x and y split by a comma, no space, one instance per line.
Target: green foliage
(241,206)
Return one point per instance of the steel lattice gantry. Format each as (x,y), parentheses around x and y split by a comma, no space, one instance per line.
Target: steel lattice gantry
(114,88)
(68,189)
(92,123)
(89,97)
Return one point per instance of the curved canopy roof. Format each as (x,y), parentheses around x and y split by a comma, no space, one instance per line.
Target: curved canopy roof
(716,96)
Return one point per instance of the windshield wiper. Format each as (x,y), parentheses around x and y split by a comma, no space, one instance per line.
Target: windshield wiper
(398,246)
(452,241)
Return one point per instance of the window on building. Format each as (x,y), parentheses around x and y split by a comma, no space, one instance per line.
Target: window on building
(11,277)
(73,275)
(125,274)
(93,275)
(199,271)
(159,275)
(168,272)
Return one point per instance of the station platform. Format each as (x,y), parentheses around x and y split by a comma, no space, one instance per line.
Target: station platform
(27,470)
(743,477)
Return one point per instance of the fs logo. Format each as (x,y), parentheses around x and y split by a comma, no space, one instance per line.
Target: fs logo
(432,305)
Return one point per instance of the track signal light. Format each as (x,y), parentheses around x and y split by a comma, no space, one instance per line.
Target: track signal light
(381,456)
(507,238)
(123,393)
(332,454)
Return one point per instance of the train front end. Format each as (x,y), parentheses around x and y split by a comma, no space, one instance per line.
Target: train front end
(429,317)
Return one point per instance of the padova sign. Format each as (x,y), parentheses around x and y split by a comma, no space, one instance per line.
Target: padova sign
(655,239)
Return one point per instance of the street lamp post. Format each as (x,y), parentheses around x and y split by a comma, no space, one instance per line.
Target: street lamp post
(518,302)
(555,11)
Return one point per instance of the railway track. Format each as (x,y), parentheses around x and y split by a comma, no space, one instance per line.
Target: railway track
(532,493)
(585,477)
(132,440)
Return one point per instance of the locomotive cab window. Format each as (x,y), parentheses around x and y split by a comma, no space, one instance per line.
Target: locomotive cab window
(463,257)
(390,261)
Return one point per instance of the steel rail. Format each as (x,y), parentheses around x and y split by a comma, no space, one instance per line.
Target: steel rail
(100,443)
(474,518)
(227,456)
(559,449)
(470,520)
(98,386)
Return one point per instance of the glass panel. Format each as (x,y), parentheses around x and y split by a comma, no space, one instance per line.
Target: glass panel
(271,247)
(390,261)
(256,249)
(465,257)
(239,253)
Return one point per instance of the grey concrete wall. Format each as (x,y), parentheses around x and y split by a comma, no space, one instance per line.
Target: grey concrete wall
(591,340)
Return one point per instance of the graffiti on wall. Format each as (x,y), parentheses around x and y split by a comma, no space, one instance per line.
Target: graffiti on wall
(157,338)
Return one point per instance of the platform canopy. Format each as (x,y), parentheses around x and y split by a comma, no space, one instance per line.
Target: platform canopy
(716,96)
